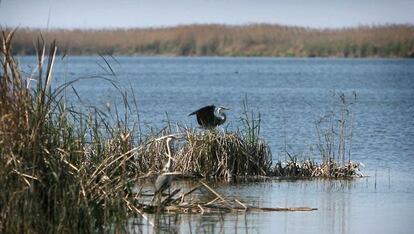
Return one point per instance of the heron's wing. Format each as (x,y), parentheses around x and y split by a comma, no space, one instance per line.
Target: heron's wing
(163,181)
(204,110)
(205,116)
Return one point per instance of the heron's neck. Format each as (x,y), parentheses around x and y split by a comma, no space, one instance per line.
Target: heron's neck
(168,166)
(222,116)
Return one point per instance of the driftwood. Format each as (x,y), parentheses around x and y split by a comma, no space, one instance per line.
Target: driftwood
(219,204)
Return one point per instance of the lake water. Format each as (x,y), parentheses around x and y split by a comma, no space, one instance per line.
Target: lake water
(290,94)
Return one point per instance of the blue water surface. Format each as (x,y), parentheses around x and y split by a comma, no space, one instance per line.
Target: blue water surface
(290,94)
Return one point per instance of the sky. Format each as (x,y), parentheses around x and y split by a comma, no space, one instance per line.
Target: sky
(162,13)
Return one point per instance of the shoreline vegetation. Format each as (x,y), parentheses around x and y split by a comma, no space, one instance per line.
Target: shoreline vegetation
(387,41)
(69,169)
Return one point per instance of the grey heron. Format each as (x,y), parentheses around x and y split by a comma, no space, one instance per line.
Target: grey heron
(164,180)
(210,116)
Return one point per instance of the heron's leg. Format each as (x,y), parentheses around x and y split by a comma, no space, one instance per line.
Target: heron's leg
(155,199)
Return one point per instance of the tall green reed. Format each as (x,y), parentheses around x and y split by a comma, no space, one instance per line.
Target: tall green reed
(61,169)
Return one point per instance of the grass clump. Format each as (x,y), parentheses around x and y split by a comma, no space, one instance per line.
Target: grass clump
(223,155)
(206,153)
(293,168)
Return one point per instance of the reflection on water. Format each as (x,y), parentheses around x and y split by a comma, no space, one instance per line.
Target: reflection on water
(344,206)
(237,222)
(290,94)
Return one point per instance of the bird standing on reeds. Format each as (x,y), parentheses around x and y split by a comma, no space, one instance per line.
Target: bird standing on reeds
(164,180)
(210,116)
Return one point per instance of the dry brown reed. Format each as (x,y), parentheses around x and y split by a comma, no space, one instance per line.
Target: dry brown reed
(223,155)
(206,153)
(293,168)
(223,40)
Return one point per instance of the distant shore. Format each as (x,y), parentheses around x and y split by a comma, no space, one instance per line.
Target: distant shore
(385,41)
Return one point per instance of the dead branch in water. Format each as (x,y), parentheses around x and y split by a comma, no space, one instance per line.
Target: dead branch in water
(220,204)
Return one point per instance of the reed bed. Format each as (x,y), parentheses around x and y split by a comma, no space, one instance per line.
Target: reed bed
(226,40)
(58,171)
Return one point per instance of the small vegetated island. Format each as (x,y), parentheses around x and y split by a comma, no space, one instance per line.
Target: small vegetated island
(63,168)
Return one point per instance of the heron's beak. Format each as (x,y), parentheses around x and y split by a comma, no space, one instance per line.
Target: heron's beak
(225,108)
